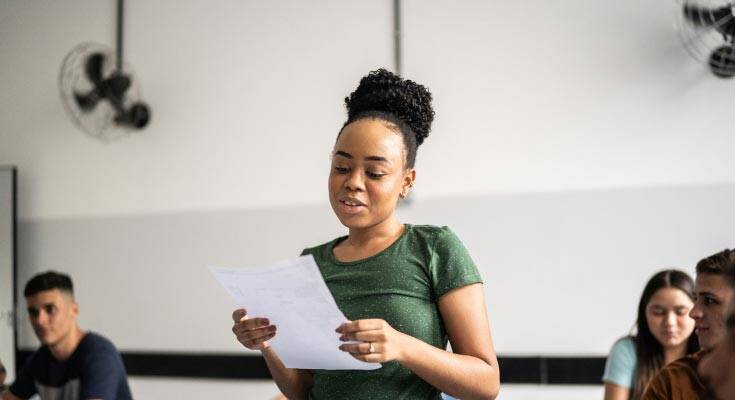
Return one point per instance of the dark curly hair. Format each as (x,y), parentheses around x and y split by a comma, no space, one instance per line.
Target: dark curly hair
(404,104)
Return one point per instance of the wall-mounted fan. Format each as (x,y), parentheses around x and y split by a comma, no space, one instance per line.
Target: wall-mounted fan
(707,28)
(100,92)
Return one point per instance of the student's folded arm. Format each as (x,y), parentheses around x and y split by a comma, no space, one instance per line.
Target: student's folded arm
(9,396)
(616,392)
(23,385)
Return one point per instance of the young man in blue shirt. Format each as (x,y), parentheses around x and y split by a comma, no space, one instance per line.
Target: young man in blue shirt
(71,364)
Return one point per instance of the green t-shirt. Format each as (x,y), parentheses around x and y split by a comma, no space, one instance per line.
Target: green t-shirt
(401,285)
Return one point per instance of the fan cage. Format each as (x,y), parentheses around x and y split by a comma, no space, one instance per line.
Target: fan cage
(98,122)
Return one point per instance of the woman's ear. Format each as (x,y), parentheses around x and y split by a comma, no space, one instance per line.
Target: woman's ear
(409,177)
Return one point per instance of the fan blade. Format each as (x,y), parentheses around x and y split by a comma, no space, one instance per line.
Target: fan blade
(722,19)
(93,68)
(87,102)
(700,16)
(137,116)
(722,61)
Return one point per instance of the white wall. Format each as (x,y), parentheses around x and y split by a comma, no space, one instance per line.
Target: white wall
(247,98)
(562,271)
(246,101)
(531,97)
(536,95)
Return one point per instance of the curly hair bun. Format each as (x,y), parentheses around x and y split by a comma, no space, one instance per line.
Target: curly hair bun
(385,91)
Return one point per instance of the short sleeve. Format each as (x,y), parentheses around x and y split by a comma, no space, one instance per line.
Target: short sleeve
(102,374)
(620,367)
(23,386)
(451,266)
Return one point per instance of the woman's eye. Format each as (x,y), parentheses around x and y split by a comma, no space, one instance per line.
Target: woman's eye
(374,175)
(341,170)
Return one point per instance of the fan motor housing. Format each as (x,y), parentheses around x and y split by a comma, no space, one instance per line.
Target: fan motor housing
(722,61)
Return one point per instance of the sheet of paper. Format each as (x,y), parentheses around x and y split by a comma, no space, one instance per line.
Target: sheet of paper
(293,296)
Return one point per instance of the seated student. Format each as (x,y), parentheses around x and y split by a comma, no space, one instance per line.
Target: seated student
(680,379)
(664,333)
(70,364)
(718,367)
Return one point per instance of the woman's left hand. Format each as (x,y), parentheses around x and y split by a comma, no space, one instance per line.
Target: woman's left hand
(381,343)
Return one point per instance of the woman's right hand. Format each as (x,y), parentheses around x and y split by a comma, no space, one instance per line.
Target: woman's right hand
(253,333)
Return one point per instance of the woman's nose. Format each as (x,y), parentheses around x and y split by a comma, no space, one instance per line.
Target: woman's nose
(354,181)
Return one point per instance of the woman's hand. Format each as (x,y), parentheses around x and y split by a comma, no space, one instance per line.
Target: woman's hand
(253,333)
(381,344)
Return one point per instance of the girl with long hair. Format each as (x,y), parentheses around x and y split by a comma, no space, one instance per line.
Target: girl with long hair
(664,333)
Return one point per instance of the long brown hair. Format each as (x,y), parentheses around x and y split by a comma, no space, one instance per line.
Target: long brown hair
(649,352)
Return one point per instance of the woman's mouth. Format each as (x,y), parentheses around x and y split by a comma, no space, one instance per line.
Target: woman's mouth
(351,206)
